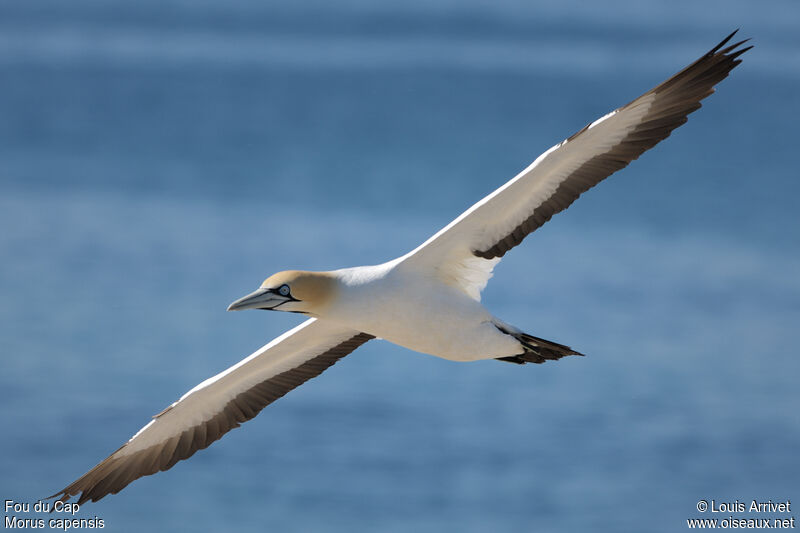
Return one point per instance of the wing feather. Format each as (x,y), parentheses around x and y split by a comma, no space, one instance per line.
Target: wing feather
(219,404)
(465,251)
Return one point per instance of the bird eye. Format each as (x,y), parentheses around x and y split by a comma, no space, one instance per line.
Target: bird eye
(283,290)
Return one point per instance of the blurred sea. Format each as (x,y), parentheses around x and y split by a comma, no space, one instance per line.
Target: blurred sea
(158,159)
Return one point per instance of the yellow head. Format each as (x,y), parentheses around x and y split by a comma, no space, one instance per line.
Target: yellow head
(296,291)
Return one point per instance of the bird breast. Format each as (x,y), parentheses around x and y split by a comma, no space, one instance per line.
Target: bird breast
(421,314)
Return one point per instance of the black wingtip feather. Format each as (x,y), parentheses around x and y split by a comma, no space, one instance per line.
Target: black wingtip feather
(723,43)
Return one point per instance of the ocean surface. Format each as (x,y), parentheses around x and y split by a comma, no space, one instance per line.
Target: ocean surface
(158,159)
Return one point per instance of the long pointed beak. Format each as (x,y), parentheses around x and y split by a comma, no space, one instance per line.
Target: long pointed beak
(260,299)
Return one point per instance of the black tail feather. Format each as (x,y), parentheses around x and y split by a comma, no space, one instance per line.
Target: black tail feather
(536,350)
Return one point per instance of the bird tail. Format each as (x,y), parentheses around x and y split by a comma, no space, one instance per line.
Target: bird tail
(536,350)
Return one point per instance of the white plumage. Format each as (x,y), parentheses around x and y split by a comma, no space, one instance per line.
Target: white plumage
(427,300)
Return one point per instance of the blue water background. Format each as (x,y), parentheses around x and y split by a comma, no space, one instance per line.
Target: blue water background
(158,159)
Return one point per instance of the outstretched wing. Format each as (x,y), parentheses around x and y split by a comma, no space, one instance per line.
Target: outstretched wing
(465,251)
(218,405)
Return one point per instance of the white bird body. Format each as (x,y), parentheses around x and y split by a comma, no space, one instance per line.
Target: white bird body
(414,309)
(427,300)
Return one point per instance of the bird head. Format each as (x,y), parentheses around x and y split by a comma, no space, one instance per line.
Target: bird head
(295,291)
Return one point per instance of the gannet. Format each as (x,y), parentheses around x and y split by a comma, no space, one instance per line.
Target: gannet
(427,300)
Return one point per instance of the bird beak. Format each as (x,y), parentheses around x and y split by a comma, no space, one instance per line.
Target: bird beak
(260,299)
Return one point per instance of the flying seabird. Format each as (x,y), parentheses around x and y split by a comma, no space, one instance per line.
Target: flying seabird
(427,300)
